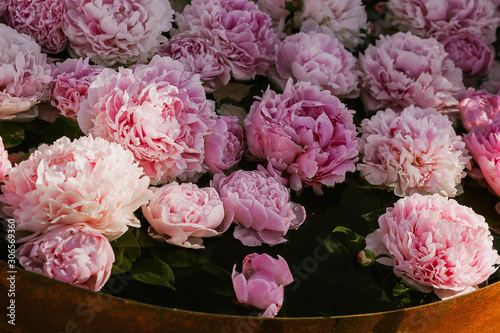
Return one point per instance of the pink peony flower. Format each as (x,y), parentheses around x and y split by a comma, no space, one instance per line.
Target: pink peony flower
(320,59)
(199,57)
(87,181)
(157,111)
(276,9)
(40,19)
(477,108)
(261,282)
(70,81)
(443,18)
(24,74)
(344,19)
(116,31)
(484,146)
(5,164)
(306,134)
(404,69)
(260,206)
(237,28)
(436,244)
(72,254)
(470,53)
(183,214)
(224,145)
(414,151)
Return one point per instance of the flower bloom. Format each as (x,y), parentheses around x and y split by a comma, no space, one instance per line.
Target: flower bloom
(305,133)
(444,18)
(158,111)
(183,214)
(224,145)
(86,181)
(320,59)
(414,151)
(436,244)
(24,74)
(344,19)
(40,19)
(260,206)
(470,53)
(477,108)
(5,164)
(484,146)
(199,57)
(116,31)
(261,282)
(237,28)
(404,69)
(72,254)
(70,82)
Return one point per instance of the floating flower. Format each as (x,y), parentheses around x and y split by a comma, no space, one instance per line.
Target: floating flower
(24,74)
(87,181)
(414,151)
(344,19)
(183,214)
(260,206)
(305,133)
(116,31)
(436,244)
(158,111)
(404,69)
(261,282)
(71,254)
(5,164)
(70,82)
(477,108)
(470,53)
(237,28)
(40,19)
(224,145)
(320,59)
(199,57)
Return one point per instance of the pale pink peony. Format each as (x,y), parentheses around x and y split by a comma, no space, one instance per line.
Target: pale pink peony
(72,254)
(224,145)
(404,69)
(484,146)
(40,19)
(320,59)
(470,53)
(24,74)
(443,18)
(237,28)
(70,82)
(199,57)
(5,164)
(344,19)
(158,111)
(414,151)
(436,244)
(184,214)
(477,108)
(305,133)
(86,181)
(113,32)
(261,282)
(260,206)
(276,9)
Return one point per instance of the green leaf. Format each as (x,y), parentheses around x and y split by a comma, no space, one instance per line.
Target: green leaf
(233,90)
(124,258)
(145,240)
(126,240)
(12,134)
(352,240)
(153,271)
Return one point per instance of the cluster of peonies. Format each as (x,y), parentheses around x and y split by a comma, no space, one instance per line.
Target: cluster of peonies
(435,244)
(89,185)
(413,151)
(141,99)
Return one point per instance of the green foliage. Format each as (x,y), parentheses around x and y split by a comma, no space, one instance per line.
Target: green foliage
(344,241)
(153,271)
